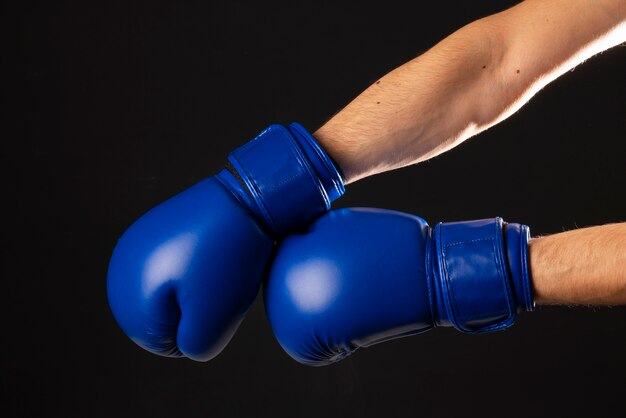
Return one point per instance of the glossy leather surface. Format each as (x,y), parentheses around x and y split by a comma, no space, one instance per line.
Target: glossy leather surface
(177,284)
(351,280)
(293,182)
(471,275)
(516,238)
(182,277)
(357,277)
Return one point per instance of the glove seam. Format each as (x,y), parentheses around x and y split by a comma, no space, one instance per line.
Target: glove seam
(467,242)
(252,186)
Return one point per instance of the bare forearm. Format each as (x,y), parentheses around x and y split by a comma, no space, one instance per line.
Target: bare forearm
(414,112)
(468,82)
(584,266)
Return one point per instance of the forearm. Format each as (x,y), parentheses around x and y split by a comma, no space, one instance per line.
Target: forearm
(470,81)
(583,266)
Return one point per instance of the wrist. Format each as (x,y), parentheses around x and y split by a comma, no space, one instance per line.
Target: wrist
(339,150)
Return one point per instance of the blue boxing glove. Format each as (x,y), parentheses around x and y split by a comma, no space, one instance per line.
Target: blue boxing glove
(182,277)
(357,277)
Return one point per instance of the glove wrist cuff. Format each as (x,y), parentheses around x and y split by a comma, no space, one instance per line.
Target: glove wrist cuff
(516,237)
(284,177)
(481,274)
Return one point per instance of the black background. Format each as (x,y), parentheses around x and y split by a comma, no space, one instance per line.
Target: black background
(112,107)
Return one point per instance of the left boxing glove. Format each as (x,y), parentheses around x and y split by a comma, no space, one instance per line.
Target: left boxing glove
(357,277)
(182,276)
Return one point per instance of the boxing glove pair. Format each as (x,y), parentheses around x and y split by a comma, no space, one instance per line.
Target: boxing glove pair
(183,276)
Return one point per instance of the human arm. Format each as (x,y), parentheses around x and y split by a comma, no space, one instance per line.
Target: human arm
(468,82)
(583,266)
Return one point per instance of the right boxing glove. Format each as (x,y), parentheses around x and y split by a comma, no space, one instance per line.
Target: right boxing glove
(182,277)
(357,277)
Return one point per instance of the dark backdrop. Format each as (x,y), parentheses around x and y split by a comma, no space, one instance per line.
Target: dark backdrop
(112,107)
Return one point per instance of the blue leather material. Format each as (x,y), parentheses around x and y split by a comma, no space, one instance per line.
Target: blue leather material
(182,277)
(176,281)
(350,280)
(240,192)
(327,170)
(357,277)
(472,276)
(516,238)
(293,182)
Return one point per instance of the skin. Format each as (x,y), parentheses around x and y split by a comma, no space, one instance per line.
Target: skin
(470,81)
(581,267)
